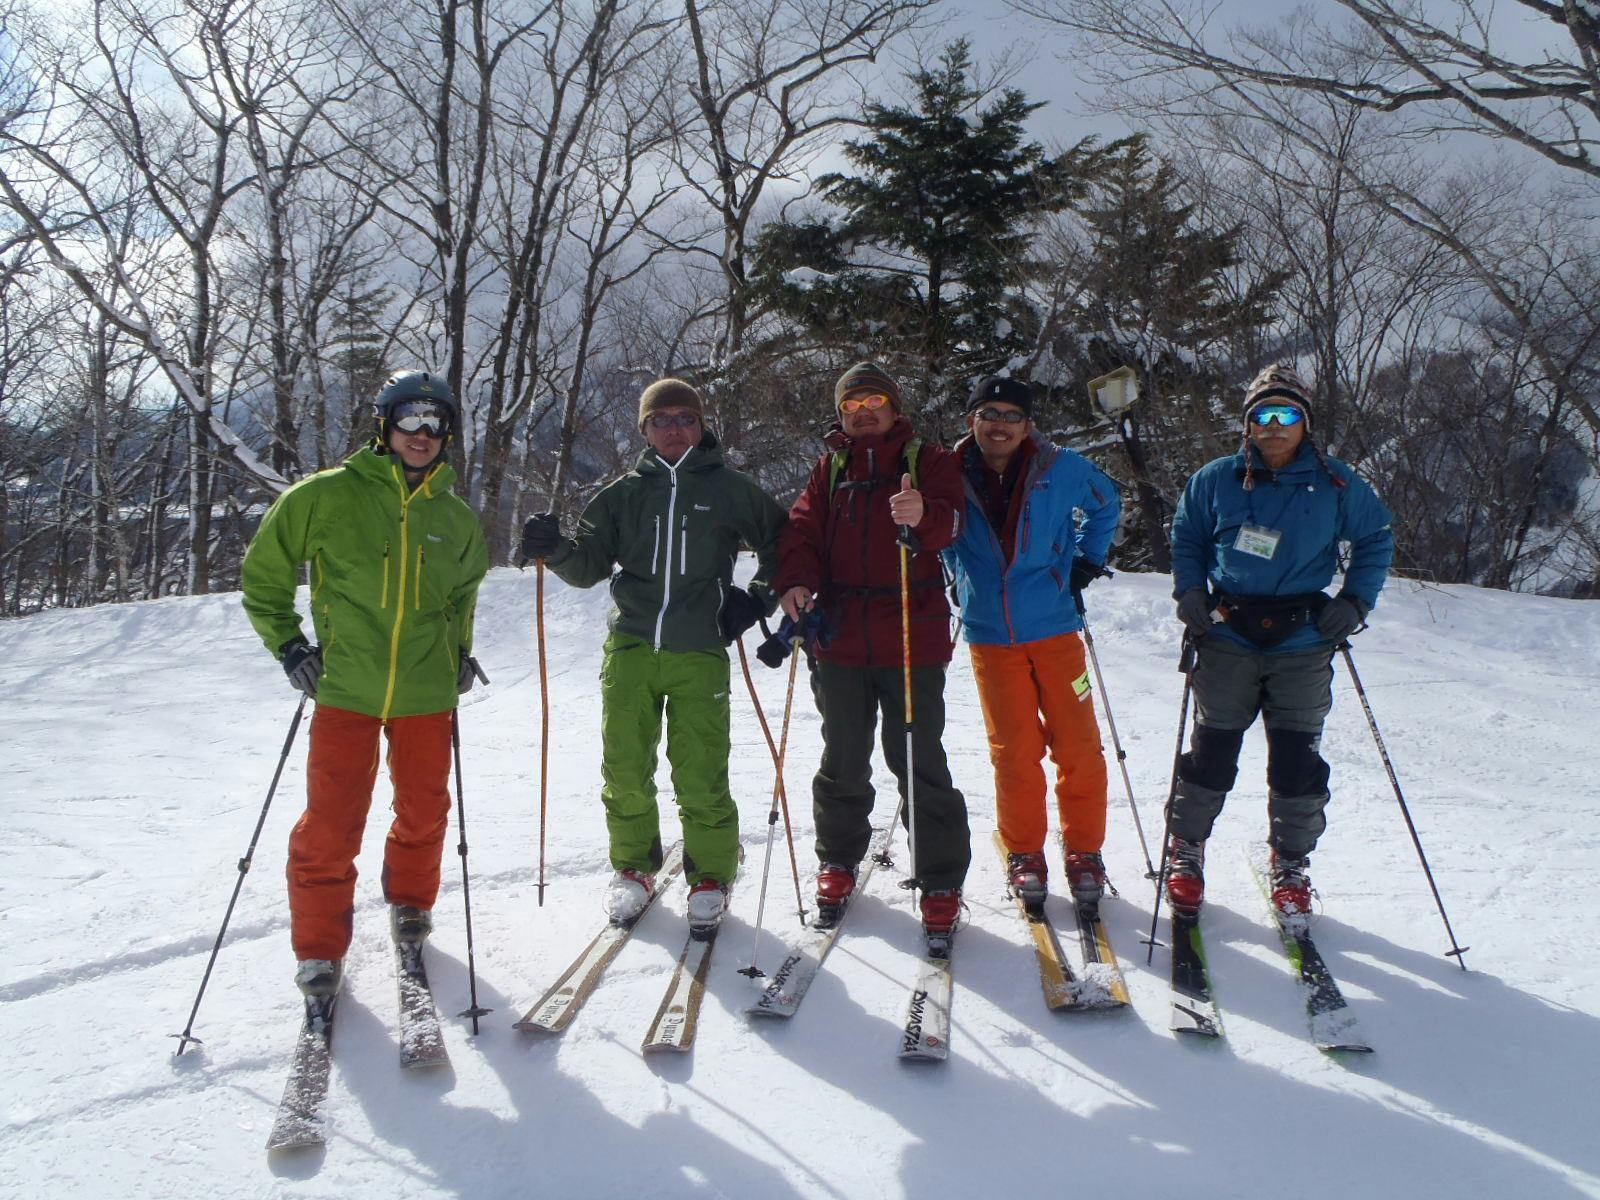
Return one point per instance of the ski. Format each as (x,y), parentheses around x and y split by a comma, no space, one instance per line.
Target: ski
(555,1010)
(1193,1010)
(925,1036)
(678,1018)
(1055,975)
(802,962)
(299,1123)
(1333,1025)
(421,1038)
(1102,984)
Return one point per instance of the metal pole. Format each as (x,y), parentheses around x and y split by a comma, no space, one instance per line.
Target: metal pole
(915,881)
(475,1011)
(1122,755)
(544,719)
(1456,951)
(187,1035)
(1186,658)
(752,970)
(777,762)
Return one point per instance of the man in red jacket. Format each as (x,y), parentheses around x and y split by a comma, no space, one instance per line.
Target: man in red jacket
(839,552)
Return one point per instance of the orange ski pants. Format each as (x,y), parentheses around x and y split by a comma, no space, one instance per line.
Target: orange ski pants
(1036,697)
(340,773)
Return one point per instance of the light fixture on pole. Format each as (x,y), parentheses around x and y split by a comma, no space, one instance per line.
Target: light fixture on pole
(1115,390)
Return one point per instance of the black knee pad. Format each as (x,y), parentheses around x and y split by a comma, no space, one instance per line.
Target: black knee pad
(1213,758)
(1294,768)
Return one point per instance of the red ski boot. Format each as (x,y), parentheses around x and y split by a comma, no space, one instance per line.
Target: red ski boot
(1086,876)
(941,912)
(1291,886)
(835,885)
(1186,881)
(1028,875)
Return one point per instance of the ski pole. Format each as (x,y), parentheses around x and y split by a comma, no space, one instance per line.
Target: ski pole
(475,1011)
(1122,755)
(544,717)
(1185,664)
(907,543)
(777,762)
(753,971)
(1456,951)
(187,1035)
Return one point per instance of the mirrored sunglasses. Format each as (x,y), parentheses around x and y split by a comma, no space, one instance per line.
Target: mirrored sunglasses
(1002,416)
(420,416)
(1283,414)
(857,403)
(673,420)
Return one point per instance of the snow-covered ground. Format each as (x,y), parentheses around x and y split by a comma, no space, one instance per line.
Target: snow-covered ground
(139,740)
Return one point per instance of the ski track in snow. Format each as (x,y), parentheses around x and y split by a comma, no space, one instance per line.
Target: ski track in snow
(141,738)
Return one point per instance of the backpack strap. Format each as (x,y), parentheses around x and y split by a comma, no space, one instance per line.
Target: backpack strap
(836,465)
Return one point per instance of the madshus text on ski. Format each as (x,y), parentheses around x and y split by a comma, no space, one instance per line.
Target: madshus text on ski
(888,529)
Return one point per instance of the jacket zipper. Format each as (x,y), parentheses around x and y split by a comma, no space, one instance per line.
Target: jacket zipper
(666,576)
(416,597)
(399,603)
(384,601)
(683,550)
(655,549)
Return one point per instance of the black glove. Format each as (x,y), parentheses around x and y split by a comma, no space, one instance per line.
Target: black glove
(1083,574)
(1194,610)
(1341,617)
(302,663)
(541,537)
(468,673)
(740,610)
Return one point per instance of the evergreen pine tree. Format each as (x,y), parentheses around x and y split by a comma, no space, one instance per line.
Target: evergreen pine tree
(924,269)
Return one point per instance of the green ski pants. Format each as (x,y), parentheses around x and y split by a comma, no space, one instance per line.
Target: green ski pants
(638,683)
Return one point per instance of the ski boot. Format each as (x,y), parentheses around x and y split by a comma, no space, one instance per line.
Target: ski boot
(1186,881)
(627,895)
(409,924)
(319,978)
(1028,875)
(835,885)
(1086,876)
(1291,886)
(941,913)
(708,902)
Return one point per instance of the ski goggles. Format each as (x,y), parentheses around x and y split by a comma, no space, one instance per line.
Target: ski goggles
(1001,416)
(1284,414)
(672,420)
(420,416)
(856,403)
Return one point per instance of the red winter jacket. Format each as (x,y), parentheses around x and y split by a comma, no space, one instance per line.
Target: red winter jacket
(843,547)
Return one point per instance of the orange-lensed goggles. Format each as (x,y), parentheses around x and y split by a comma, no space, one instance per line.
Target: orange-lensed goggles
(857,403)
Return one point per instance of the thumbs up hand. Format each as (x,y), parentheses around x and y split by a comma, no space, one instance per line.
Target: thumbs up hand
(906,506)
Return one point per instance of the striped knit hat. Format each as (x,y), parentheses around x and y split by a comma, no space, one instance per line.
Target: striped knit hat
(1279,384)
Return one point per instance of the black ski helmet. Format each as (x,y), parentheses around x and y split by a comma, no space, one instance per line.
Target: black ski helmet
(413,385)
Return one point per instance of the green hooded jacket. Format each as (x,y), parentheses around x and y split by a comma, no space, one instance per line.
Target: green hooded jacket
(672,532)
(394,579)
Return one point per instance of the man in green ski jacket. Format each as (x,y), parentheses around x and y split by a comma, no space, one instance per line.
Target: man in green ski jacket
(666,534)
(396,560)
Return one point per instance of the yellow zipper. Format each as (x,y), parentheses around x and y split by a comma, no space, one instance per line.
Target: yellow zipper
(384,601)
(416,586)
(400,598)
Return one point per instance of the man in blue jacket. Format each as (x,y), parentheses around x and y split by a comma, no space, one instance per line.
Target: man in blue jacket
(1020,564)
(1254,542)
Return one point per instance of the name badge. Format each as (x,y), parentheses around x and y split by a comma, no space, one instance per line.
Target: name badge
(1257,541)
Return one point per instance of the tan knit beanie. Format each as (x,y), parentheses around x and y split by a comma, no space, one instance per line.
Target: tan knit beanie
(668,393)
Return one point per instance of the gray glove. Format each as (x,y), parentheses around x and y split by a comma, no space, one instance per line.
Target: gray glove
(302,663)
(1194,610)
(468,673)
(1341,617)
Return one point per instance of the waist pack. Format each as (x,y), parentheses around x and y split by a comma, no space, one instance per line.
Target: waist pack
(1267,621)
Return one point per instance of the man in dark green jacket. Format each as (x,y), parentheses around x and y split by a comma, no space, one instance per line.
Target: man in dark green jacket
(666,534)
(396,560)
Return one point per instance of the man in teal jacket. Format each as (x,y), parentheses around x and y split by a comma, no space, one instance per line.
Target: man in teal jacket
(396,560)
(1254,542)
(666,534)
